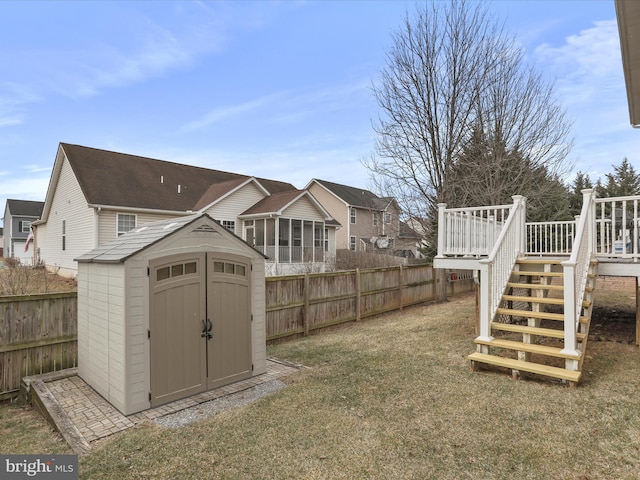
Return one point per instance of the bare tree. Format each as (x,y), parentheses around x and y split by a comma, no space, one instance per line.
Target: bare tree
(446,76)
(518,143)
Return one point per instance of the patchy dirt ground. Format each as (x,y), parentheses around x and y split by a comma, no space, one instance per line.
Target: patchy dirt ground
(614,310)
(613,325)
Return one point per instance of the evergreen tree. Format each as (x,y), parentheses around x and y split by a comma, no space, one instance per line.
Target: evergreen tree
(623,182)
(581,182)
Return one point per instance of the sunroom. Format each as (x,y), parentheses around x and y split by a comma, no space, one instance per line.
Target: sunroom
(293,231)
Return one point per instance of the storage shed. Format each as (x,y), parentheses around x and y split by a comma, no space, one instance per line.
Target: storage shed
(168,310)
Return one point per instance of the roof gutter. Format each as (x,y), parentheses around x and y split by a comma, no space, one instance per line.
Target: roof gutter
(177,213)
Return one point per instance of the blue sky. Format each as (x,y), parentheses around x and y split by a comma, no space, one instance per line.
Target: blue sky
(272,89)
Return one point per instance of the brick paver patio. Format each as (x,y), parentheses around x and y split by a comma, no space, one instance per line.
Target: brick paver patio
(95,418)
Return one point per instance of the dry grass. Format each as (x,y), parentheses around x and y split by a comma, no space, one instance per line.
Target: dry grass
(393,397)
(18,279)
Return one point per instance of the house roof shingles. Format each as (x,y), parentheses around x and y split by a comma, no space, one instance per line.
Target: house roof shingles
(356,197)
(118,179)
(25,208)
(273,203)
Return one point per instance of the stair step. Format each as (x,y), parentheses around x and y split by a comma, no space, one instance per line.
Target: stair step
(555,372)
(527,347)
(545,300)
(541,315)
(541,261)
(538,274)
(541,286)
(524,329)
(535,286)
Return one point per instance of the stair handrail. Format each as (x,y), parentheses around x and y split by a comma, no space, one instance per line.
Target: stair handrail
(495,270)
(576,273)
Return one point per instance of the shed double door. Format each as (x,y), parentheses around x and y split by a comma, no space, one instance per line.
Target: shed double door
(200,324)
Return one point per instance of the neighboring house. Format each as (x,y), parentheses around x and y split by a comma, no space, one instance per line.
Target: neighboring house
(96,195)
(17,220)
(369,223)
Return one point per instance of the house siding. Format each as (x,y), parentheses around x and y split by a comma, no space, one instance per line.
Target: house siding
(108,227)
(303,209)
(230,207)
(364,228)
(6,220)
(68,205)
(337,209)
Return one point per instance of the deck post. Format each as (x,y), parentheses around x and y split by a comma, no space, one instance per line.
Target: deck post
(637,310)
(485,304)
(570,337)
(441,228)
(522,221)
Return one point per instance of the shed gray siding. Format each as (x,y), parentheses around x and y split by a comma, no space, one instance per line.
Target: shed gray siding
(113,304)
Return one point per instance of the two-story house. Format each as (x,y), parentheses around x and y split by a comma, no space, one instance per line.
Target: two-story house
(96,195)
(17,220)
(369,223)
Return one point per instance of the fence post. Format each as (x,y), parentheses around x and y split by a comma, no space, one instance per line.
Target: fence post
(401,287)
(305,310)
(358,292)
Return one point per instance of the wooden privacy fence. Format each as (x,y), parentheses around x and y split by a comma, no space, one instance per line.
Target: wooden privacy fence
(298,304)
(38,334)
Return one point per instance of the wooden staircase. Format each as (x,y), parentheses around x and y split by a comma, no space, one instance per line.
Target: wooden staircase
(528,328)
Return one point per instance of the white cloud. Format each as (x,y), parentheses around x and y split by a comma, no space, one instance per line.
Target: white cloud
(288,107)
(28,188)
(136,49)
(587,65)
(225,113)
(590,84)
(36,168)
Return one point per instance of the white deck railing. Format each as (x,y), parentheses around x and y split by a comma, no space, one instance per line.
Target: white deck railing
(550,238)
(470,232)
(496,269)
(576,272)
(617,227)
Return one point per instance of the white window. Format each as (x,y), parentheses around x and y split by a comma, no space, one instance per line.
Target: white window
(352,213)
(229,225)
(125,223)
(352,243)
(387,217)
(326,239)
(24,226)
(375,219)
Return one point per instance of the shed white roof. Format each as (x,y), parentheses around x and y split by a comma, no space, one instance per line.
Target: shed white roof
(120,249)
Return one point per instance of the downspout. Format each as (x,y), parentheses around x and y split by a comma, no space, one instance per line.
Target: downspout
(34,255)
(96,226)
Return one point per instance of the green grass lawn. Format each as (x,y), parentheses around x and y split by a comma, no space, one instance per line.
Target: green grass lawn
(389,398)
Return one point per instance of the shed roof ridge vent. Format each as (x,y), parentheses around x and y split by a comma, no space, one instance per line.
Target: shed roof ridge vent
(205,228)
